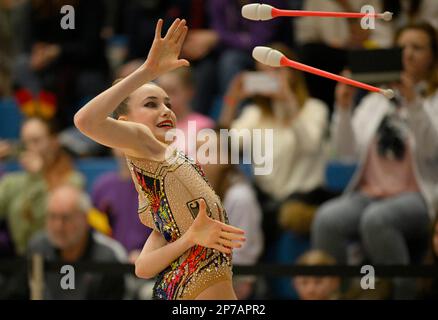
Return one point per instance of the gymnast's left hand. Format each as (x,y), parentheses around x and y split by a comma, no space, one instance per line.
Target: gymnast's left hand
(164,53)
(214,234)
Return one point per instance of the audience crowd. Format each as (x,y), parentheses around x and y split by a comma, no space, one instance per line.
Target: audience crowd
(385,215)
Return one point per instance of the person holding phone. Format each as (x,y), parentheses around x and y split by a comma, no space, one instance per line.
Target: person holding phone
(280,101)
(392,196)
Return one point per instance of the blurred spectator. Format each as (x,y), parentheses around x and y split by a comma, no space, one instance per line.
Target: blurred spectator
(12,38)
(317,288)
(323,41)
(243,209)
(339,32)
(114,194)
(237,36)
(111,8)
(330,288)
(5,149)
(68,239)
(392,197)
(413,11)
(299,125)
(179,86)
(6,246)
(14,27)
(23,194)
(70,63)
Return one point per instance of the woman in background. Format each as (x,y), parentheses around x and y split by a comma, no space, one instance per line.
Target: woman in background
(299,124)
(391,198)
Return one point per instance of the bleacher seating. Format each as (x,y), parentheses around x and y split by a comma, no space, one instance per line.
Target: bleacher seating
(338,175)
(91,168)
(10,119)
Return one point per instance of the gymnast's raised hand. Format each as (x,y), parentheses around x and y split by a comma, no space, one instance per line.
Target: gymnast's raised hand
(164,53)
(136,134)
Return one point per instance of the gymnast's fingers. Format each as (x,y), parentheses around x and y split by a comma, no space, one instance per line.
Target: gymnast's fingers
(228,228)
(231,236)
(172,29)
(158,29)
(228,243)
(182,37)
(178,31)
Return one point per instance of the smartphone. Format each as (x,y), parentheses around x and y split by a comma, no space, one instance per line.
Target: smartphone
(257,82)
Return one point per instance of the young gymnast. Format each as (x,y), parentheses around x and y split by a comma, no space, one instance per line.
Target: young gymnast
(191,243)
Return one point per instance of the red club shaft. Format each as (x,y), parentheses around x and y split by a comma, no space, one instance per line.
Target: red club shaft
(299,66)
(300,13)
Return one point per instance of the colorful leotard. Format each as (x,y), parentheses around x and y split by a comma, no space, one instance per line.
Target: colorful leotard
(168,192)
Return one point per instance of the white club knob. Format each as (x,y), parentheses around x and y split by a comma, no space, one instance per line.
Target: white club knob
(387,16)
(388,93)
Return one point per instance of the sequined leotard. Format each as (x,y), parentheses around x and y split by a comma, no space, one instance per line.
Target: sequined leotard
(168,192)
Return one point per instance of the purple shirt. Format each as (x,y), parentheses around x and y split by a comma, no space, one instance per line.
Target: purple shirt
(118,198)
(238,32)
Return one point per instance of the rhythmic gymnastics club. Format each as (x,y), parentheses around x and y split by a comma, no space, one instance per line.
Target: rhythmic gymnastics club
(257,11)
(275,58)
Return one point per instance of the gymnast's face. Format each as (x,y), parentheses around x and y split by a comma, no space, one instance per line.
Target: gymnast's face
(417,52)
(180,92)
(150,105)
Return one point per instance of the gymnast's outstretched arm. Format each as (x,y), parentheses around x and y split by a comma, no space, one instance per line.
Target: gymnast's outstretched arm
(134,138)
